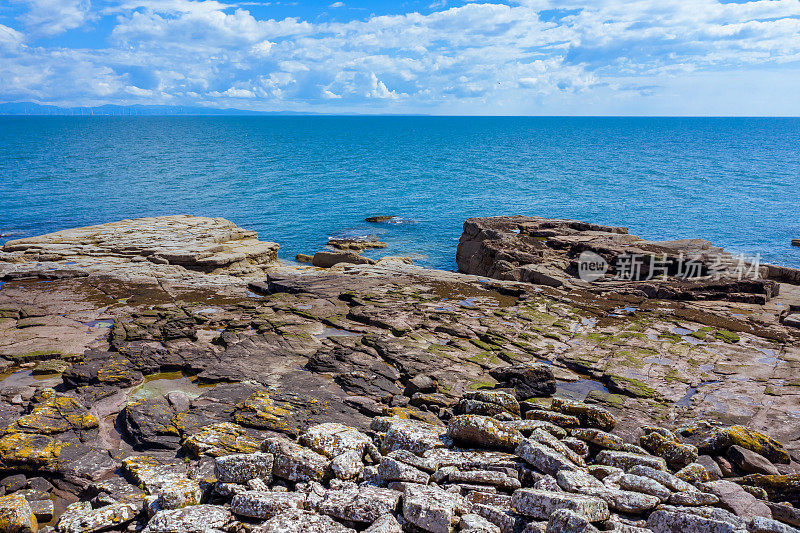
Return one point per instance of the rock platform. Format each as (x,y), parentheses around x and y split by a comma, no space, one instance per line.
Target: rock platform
(169,374)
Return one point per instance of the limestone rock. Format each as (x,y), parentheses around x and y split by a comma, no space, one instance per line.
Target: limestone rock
(259,504)
(482,431)
(16,515)
(79,517)
(192,519)
(240,468)
(295,463)
(430,508)
(540,504)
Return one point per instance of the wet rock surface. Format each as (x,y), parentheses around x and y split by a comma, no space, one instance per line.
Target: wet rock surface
(195,384)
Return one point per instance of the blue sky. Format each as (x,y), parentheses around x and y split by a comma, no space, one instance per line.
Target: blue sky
(529,57)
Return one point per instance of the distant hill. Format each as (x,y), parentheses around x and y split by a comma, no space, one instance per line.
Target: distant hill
(30,108)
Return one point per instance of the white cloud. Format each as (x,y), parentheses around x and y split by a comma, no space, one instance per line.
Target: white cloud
(337,4)
(486,56)
(52,17)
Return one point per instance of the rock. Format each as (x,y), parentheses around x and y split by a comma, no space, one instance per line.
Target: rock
(273,411)
(735,499)
(192,519)
(379,218)
(304,258)
(792,320)
(598,438)
(151,474)
(240,468)
(543,458)
(751,462)
(16,515)
(711,466)
(347,465)
(297,521)
(785,513)
(644,485)
(693,473)
(760,524)
(385,524)
(260,504)
(292,462)
(714,440)
(693,498)
(332,439)
(676,454)
(393,470)
(528,380)
(795,242)
(430,508)
(488,403)
(663,521)
(14,483)
(540,504)
(493,478)
(589,415)
(53,414)
(219,439)
(412,435)
(566,521)
(783,488)
(476,430)
(79,517)
(477,524)
(329,259)
(180,493)
(627,461)
(543,437)
(362,505)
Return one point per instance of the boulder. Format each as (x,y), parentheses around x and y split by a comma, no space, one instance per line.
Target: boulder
(331,439)
(627,461)
(385,524)
(566,521)
(264,505)
(192,519)
(16,515)
(297,521)
(540,504)
(362,505)
(293,462)
(240,468)
(329,259)
(528,380)
(80,517)
(589,415)
(223,438)
(430,508)
(482,431)
(750,462)
(736,500)
(543,458)
(664,521)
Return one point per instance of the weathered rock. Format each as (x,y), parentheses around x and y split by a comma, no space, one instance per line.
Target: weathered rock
(760,524)
(474,523)
(412,435)
(240,468)
(589,415)
(180,493)
(79,517)
(540,504)
(329,259)
(430,508)
(598,438)
(362,505)
(751,462)
(783,488)
(385,524)
(331,439)
(644,485)
(347,465)
(663,521)
(543,458)
(259,504)
(192,519)
(693,473)
(219,439)
(16,515)
(487,403)
(483,431)
(676,454)
(297,521)
(528,381)
(627,461)
(566,521)
(295,463)
(733,498)
(393,470)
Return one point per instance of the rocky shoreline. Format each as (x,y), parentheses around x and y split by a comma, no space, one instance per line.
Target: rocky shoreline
(169,374)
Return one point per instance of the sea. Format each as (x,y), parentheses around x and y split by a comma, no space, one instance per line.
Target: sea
(301,180)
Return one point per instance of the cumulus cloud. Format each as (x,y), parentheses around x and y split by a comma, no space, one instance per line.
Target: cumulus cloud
(52,17)
(501,55)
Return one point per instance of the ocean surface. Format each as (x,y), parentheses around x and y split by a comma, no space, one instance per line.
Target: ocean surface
(301,180)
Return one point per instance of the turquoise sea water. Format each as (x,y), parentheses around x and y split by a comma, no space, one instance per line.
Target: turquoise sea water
(300,180)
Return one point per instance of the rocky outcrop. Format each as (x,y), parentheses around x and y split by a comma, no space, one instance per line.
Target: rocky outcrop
(549,251)
(316,399)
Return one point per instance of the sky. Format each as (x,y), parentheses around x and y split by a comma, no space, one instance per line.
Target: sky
(515,57)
